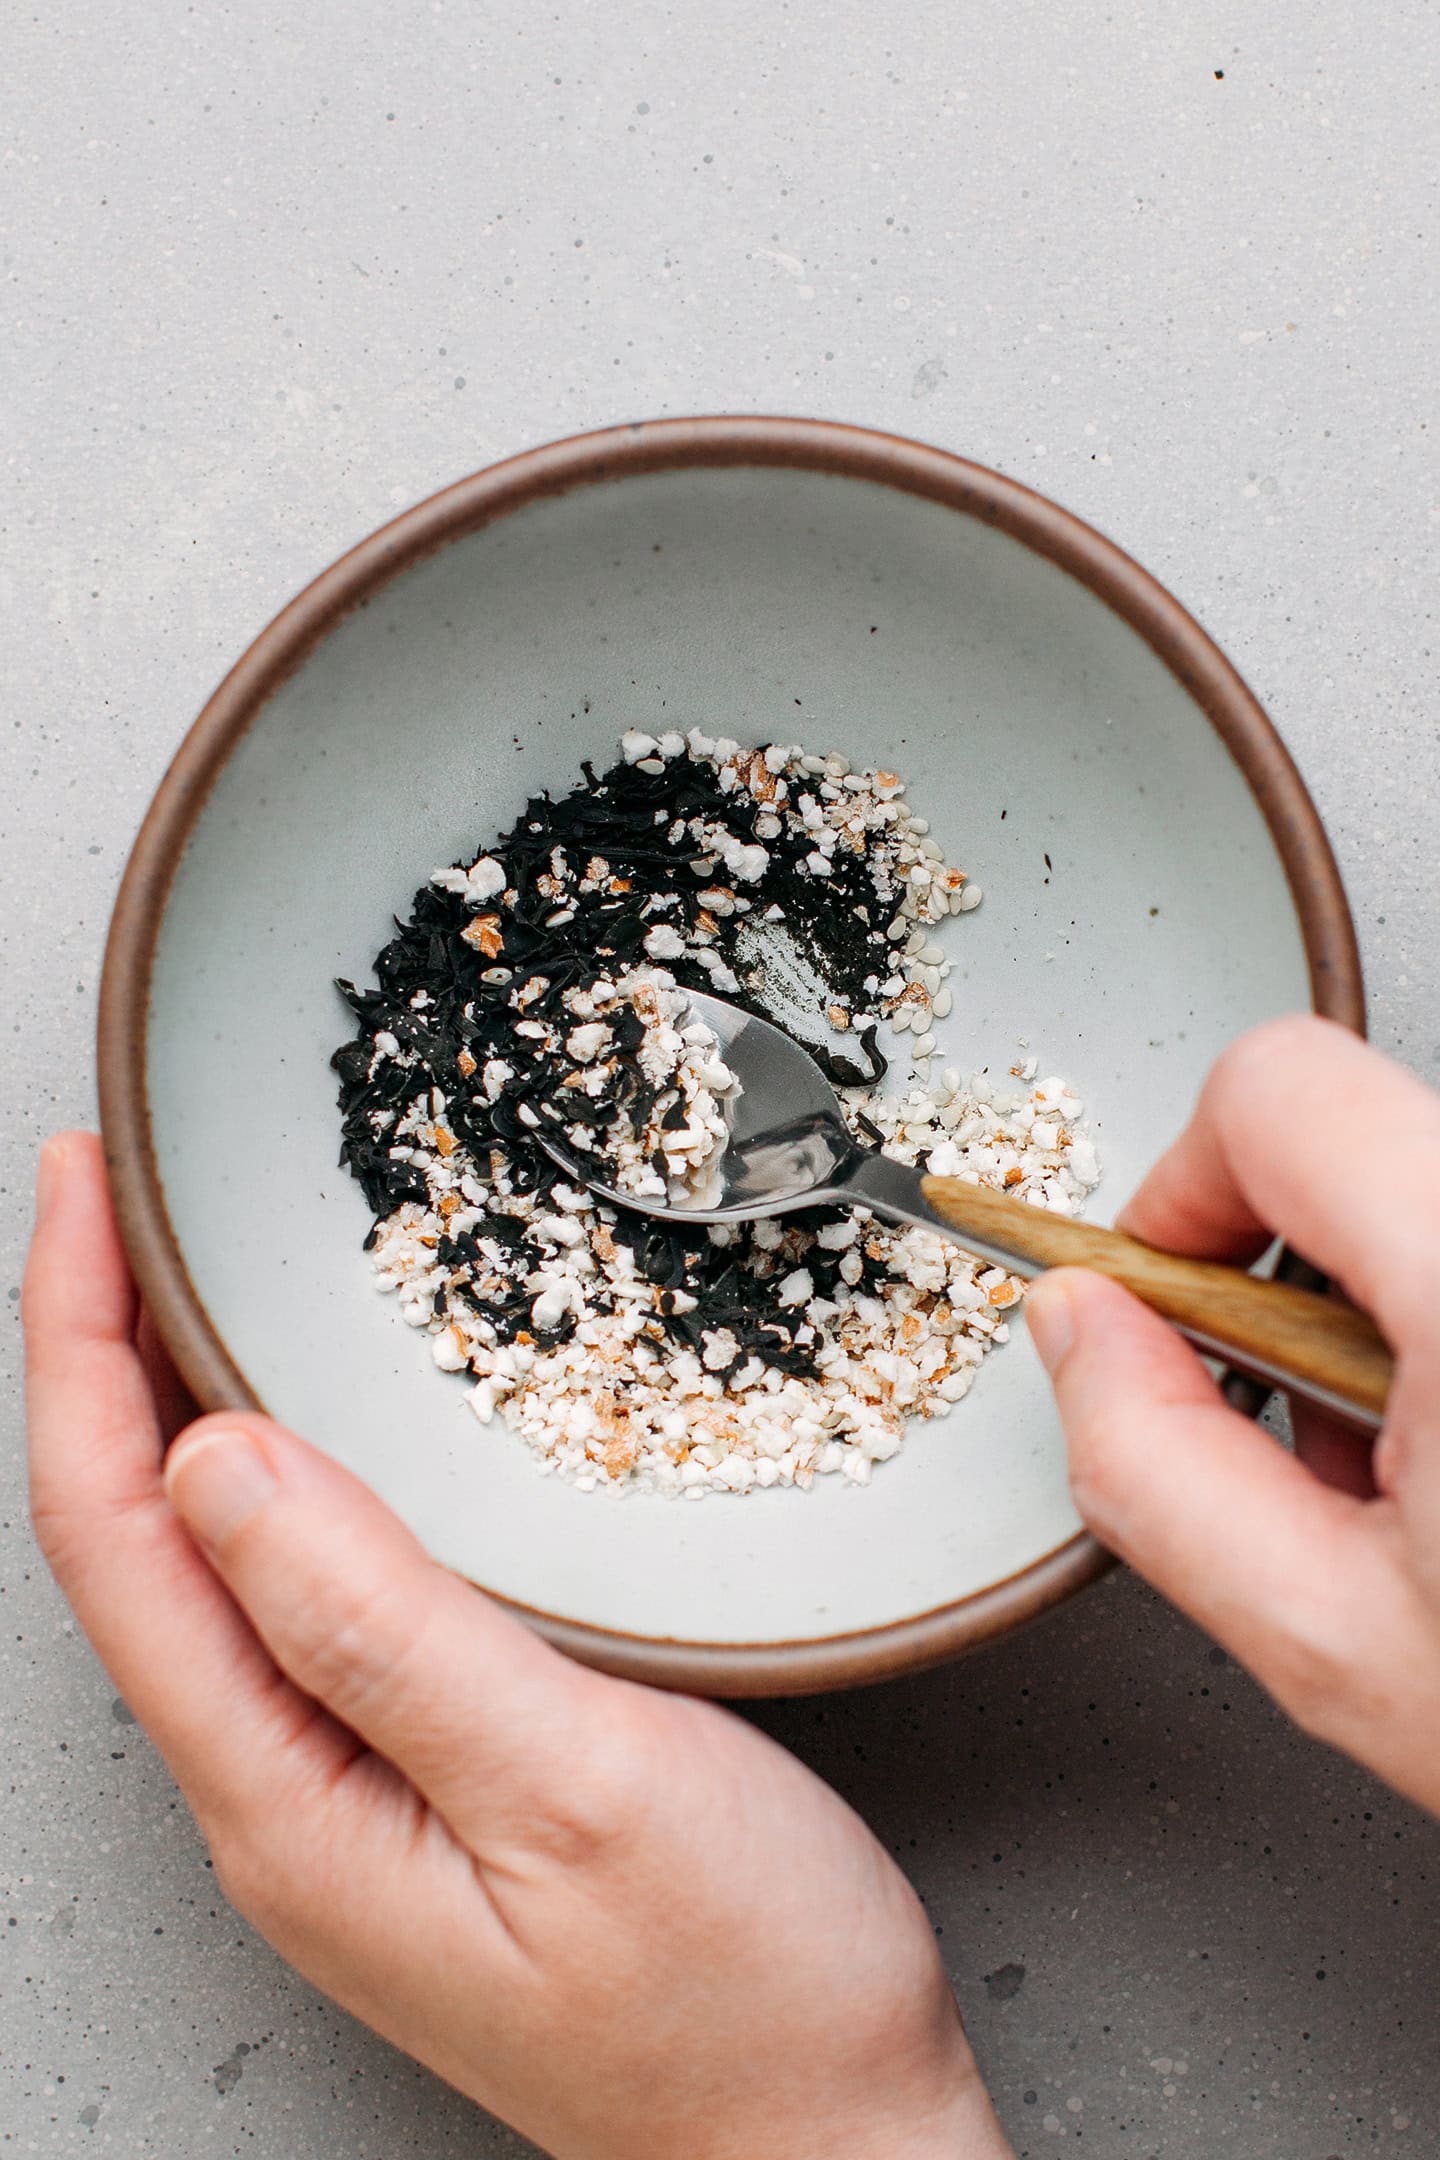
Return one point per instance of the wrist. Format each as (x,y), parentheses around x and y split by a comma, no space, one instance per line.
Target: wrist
(963,2127)
(949,2117)
(957,2123)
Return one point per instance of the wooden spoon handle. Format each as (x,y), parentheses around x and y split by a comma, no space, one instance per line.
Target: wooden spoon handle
(1323,1349)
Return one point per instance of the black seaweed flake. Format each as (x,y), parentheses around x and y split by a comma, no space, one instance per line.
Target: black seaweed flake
(588,876)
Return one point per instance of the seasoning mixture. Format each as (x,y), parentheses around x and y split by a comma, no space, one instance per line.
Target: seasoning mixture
(545,981)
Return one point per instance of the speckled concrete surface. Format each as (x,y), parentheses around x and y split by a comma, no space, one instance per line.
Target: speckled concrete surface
(273,272)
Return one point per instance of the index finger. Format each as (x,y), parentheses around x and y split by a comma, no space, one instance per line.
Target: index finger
(1303,1131)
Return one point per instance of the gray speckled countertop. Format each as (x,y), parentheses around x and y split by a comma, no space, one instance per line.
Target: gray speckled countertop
(272,272)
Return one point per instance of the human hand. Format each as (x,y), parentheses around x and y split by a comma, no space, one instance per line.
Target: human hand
(1320,1571)
(624,1921)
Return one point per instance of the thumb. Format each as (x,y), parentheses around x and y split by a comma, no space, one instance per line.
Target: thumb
(471,1706)
(1202,1503)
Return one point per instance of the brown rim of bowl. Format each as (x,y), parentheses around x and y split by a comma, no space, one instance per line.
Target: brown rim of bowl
(617,453)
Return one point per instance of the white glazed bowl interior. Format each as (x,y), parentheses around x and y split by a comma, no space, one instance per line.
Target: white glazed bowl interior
(1029,721)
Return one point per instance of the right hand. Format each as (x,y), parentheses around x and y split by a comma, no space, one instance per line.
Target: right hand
(1320,1571)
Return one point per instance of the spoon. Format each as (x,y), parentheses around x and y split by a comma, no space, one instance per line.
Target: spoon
(789,1147)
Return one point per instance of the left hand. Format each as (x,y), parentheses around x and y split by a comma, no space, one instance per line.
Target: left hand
(624,1921)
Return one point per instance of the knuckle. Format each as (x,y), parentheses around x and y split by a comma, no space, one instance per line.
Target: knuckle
(258,1879)
(1312,1667)
(1098,1486)
(602,1810)
(1406,1299)
(51,1525)
(246,1880)
(601,1813)
(1274,1050)
(360,1645)
(64,1537)
(30,1298)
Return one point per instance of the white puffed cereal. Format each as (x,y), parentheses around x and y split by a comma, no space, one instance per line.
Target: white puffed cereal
(594,1373)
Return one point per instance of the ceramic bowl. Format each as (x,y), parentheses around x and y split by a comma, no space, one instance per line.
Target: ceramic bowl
(1156,881)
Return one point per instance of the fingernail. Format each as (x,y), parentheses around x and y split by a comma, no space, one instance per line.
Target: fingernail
(217,1480)
(48,1172)
(1051,1321)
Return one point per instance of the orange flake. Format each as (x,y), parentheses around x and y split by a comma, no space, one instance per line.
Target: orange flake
(759,778)
(1004,1295)
(609,1417)
(483,933)
(466,1062)
(1013,1176)
(444,1141)
(448,1205)
(620,1454)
